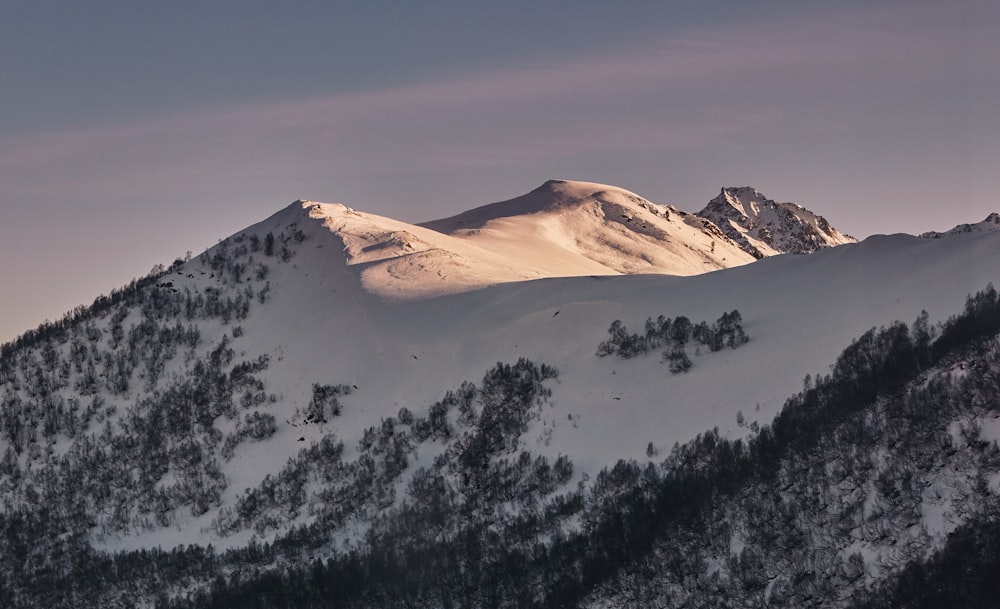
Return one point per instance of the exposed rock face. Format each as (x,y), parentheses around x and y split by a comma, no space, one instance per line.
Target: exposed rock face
(763,227)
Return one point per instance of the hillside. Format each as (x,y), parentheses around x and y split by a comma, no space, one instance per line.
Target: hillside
(312,386)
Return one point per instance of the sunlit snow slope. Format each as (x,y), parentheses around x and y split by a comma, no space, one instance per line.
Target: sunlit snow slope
(561,229)
(567,229)
(563,224)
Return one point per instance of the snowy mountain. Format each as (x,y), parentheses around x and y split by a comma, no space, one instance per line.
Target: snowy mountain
(990,224)
(763,227)
(394,415)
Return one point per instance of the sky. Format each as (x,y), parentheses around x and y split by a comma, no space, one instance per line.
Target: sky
(132,132)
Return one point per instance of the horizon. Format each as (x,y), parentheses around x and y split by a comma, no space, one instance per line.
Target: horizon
(131,135)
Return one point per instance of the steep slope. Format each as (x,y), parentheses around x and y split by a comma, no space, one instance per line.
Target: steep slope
(990,224)
(763,227)
(868,469)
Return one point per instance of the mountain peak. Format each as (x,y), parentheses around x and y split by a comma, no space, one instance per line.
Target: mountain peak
(764,227)
(744,199)
(552,196)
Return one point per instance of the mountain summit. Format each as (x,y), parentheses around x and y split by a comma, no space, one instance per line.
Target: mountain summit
(765,228)
(567,229)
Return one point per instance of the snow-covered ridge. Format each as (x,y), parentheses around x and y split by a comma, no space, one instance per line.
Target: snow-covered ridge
(764,227)
(561,229)
(990,224)
(566,229)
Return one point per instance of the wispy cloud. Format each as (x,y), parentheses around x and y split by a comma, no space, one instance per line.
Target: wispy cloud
(705,89)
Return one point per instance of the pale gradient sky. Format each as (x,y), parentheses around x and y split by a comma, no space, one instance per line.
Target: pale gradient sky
(131,132)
